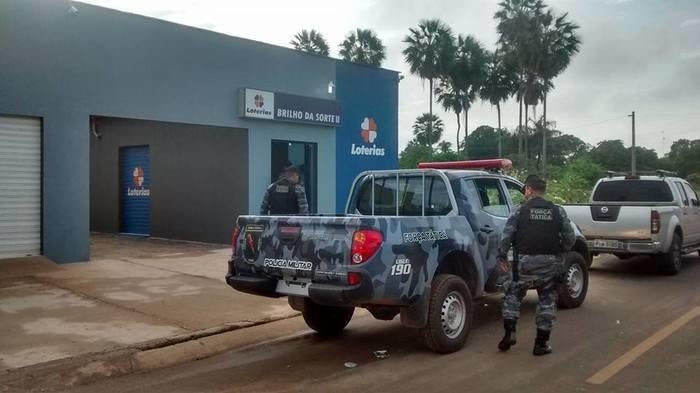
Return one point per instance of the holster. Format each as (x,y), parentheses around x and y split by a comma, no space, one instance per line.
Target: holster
(516,266)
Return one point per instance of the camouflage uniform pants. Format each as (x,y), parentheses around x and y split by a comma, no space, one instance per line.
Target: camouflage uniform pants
(539,272)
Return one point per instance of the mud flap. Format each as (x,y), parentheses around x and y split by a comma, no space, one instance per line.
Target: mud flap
(416,315)
(297,303)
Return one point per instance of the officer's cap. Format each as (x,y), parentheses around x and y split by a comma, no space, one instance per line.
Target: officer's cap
(536,183)
(292,169)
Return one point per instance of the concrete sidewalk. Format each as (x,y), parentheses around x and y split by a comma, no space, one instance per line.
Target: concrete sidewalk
(134,291)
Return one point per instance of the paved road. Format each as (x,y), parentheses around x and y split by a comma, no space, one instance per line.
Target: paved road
(629,308)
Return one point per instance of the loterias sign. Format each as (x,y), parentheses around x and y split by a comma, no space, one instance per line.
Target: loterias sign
(260,104)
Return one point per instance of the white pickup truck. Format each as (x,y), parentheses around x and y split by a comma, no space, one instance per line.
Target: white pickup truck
(631,215)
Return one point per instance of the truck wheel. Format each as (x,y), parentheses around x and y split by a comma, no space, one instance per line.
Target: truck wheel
(671,262)
(450,314)
(573,290)
(327,320)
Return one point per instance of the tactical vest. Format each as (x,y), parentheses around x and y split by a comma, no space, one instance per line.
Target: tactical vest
(283,198)
(538,228)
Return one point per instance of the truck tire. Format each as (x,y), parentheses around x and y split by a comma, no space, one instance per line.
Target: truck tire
(671,262)
(573,289)
(327,320)
(450,314)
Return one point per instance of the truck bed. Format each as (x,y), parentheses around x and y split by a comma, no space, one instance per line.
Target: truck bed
(311,256)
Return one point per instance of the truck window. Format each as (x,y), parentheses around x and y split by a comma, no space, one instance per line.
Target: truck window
(681,192)
(493,200)
(410,193)
(437,199)
(516,192)
(633,191)
(384,196)
(691,195)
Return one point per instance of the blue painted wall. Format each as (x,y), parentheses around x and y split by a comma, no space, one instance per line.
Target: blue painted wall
(63,67)
(365,92)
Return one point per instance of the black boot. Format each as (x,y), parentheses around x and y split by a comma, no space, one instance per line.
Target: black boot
(542,343)
(509,337)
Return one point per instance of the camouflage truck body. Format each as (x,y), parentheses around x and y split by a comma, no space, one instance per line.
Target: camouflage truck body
(431,222)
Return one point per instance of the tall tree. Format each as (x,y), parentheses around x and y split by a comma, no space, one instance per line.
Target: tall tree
(685,156)
(518,29)
(364,47)
(498,86)
(429,53)
(444,147)
(310,41)
(468,70)
(452,98)
(428,129)
(559,43)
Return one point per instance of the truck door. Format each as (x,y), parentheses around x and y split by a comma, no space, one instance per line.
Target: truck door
(493,213)
(686,212)
(692,219)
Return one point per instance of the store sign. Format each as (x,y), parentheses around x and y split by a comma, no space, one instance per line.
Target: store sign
(259,104)
(368,134)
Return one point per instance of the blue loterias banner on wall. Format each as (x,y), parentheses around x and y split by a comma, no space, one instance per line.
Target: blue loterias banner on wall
(368,138)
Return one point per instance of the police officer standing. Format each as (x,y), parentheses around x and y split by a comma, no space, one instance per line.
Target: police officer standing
(540,233)
(286,195)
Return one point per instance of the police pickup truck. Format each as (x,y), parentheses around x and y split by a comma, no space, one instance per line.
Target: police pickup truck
(656,214)
(418,243)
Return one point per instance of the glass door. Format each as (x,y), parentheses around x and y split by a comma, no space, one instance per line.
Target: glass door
(304,156)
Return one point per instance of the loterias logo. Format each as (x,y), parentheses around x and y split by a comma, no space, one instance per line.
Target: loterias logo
(259,104)
(369,133)
(259,100)
(137,180)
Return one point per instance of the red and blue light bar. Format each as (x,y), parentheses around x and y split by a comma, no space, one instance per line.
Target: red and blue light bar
(491,164)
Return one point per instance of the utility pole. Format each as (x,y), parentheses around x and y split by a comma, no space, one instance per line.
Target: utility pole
(634,147)
(663,142)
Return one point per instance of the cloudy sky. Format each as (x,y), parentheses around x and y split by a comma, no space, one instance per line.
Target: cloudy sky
(641,55)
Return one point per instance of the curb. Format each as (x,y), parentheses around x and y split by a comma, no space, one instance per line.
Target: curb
(150,355)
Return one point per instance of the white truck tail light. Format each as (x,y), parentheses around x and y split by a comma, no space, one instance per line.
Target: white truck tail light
(234,238)
(655,222)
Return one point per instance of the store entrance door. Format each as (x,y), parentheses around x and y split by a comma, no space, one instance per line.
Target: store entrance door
(304,156)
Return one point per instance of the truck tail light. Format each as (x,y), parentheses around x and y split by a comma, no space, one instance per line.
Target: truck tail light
(365,243)
(354,278)
(655,221)
(234,238)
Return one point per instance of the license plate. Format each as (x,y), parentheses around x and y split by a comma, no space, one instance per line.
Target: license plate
(291,287)
(601,243)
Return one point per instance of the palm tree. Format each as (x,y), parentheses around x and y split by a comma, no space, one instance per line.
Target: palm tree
(364,47)
(469,71)
(559,44)
(517,40)
(310,41)
(444,147)
(498,86)
(428,129)
(429,53)
(452,98)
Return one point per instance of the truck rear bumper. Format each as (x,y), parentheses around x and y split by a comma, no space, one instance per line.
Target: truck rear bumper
(326,294)
(627,247)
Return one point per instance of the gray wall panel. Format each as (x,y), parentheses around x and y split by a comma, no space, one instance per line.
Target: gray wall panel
(64,67)
(199,177)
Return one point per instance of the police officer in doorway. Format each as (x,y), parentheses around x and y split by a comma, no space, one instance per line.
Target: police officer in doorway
(540,233)
(286,195)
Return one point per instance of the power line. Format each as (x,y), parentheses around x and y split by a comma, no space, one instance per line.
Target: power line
(593,124)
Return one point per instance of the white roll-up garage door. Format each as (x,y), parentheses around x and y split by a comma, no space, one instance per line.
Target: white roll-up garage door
(20,187)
